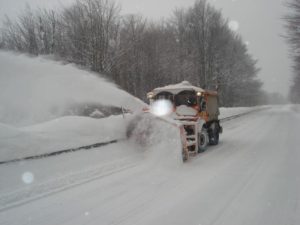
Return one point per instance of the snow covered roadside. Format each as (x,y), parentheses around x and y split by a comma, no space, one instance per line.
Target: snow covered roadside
(234,111)
(71,132)
(36,100)
(59,134)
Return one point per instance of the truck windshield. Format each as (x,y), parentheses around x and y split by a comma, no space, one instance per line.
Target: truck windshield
(186,98)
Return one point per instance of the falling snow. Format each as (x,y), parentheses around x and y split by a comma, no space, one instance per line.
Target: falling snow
(233,25)
(27,177)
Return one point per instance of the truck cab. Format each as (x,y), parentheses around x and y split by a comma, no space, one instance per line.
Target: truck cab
(196,109)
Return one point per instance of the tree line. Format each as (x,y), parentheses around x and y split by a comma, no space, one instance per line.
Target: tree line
(194,44)
(292,22)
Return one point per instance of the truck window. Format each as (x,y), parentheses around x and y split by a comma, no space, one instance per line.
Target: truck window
(187,98)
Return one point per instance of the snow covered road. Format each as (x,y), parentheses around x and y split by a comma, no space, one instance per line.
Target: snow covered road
(252,178)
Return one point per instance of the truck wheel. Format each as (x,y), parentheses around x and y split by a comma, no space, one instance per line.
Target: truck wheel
(202,141)
(214,138)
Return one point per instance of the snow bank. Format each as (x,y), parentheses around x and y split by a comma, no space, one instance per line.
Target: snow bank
(34,90)
(59,134)
(227,112)
(8,132)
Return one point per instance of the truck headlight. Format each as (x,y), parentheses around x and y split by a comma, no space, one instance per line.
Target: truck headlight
(150,95)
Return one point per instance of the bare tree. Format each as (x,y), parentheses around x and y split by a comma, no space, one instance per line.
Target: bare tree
(293,38)
(195,44)
(90,31)
(130,58)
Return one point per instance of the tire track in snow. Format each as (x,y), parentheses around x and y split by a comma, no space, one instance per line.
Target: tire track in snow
(41,190)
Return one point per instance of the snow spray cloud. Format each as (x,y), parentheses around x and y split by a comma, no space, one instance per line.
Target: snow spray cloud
(34,90)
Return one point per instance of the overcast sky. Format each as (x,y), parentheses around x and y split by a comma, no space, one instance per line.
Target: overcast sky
(258,21)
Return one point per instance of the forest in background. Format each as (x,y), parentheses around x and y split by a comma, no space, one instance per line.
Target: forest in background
(293,38)
(194,44)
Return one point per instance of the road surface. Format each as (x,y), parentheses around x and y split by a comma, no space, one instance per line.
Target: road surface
(250,178)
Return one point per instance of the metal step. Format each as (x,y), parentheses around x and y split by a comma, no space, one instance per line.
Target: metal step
(191,143)
(191,136)
(189,123)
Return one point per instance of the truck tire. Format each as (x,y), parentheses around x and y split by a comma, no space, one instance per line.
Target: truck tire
(214,137)
(203,141)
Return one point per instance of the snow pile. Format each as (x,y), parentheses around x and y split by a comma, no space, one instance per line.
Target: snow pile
(34,90)
(59,134)
(8,132)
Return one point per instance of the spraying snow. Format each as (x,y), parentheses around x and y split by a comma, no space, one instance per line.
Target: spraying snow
(159,137)
(34,90)
(233,25)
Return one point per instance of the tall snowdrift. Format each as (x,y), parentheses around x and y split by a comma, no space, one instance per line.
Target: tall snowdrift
(34,90)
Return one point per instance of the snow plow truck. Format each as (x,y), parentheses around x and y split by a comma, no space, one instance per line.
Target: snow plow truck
(193,110)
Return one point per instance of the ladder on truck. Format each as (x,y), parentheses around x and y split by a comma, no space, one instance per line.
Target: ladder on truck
(189,133)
